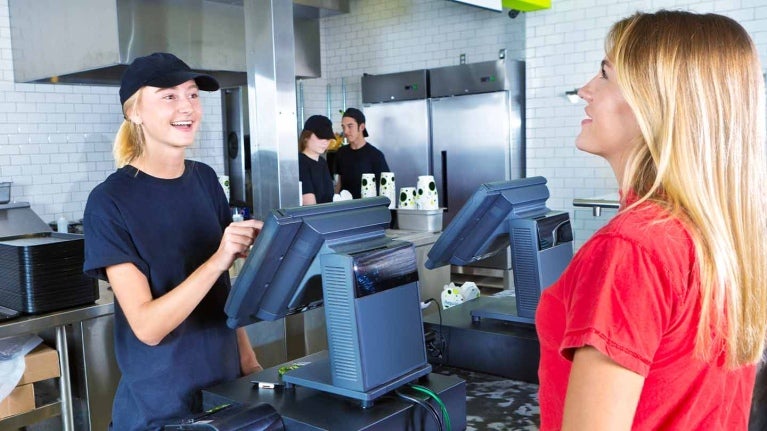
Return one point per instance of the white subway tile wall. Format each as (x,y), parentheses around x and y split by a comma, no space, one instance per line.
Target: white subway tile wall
(55,140)
(562,47)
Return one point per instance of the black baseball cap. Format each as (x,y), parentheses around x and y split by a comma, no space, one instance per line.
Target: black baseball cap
(321,126)
(358,116)
(162,70)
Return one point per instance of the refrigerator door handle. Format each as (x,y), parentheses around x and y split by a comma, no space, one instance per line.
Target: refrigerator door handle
(443,157)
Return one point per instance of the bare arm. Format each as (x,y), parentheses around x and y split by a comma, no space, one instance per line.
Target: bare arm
(601,395)
(153,319)
(308,199)
(248,361)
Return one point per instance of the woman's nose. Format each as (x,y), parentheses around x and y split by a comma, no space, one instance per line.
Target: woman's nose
(584,92)
(185,105)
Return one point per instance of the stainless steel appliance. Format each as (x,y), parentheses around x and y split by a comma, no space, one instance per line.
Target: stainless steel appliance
(96,39)
(477,127)
(234,107)
(464,124)
(468,130)
(397,116)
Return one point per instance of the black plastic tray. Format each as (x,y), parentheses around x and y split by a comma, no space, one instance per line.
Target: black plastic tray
(43,272)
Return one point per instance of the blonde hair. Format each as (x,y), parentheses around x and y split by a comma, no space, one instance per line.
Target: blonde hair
(695,85)
(303,139)
(129,141)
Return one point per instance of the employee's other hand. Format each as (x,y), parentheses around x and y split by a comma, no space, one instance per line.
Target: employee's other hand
(249,364)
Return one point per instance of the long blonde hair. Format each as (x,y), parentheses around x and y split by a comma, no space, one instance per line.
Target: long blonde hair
(695,84)
(129,142)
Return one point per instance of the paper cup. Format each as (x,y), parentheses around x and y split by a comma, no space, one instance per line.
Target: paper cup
(368,188)
(407,198)
(387,187)
(224,181)
(426,193)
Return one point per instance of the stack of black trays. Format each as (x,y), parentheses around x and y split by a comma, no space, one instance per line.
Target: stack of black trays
(42,272)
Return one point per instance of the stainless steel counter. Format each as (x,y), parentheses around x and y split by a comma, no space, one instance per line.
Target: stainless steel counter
(57,321)
(431,281)
(32,324)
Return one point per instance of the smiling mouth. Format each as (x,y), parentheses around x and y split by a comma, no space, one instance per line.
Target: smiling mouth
(181,123)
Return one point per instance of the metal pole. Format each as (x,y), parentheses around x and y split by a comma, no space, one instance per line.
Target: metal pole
(343,94)
(65,386)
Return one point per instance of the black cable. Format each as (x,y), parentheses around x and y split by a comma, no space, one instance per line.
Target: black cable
(442,349)
(443,341)
(429,408)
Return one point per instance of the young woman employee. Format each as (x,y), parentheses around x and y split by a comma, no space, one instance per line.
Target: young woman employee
(313,172)
(160,231)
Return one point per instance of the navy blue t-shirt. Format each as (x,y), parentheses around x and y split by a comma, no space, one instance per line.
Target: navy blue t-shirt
(315,178)
(167,229)
(351,164)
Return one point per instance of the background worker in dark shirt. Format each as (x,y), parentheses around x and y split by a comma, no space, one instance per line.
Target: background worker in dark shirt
(359,157)
(313,172)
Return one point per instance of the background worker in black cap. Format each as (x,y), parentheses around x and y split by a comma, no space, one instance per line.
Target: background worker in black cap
(160,231)
(313,172)
(359,157)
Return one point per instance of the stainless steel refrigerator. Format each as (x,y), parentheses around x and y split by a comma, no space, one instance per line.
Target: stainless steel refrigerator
(396,111)
(467,129)
(464,124)
(477,128)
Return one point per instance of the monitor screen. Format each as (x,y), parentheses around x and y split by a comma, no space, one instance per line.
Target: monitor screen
(478,230)
(281,275)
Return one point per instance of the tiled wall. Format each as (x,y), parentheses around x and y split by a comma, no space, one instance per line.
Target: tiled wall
(563,48)
(55,141)
(400,35)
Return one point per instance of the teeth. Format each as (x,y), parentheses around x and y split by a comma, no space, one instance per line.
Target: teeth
(181,123)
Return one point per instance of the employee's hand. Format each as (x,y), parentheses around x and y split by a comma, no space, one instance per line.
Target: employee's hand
(236,242)
(248,361)
(249,364)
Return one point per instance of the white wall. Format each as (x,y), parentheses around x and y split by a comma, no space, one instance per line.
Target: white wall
(399,35)
(563,48)
(56,140)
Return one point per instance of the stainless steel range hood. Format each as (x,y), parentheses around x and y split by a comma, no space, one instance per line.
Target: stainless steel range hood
(92,41)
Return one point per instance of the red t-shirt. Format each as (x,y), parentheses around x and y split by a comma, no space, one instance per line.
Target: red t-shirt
(632,292)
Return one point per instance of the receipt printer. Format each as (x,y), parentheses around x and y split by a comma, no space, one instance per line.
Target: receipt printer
(234,417)
(542,247)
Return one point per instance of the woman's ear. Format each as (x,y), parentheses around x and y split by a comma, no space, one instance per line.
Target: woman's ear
(133,117)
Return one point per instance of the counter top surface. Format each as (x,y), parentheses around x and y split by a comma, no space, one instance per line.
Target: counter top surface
(32,323)
(317,410)
(418,238)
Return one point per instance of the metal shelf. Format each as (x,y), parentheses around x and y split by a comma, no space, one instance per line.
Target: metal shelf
(58,321)
(38,414)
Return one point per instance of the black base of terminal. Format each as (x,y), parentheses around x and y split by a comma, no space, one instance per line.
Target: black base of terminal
(305,409)
(502,348)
